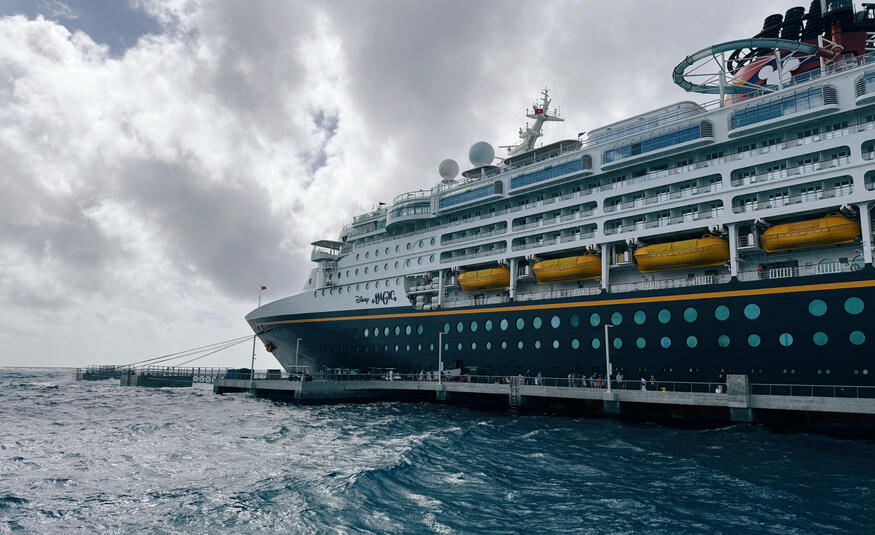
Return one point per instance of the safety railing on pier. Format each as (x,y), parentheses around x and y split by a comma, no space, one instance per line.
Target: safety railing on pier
(826,391)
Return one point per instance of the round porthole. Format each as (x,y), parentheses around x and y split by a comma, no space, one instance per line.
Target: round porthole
(690,315)
(640,317)
(595,319)
(853,305)
(817,307)
(721,313)
(857,338)
(820,338)
(753,340)
(752,311)
(664,316)
(640,343)
(665,342)
(723,340)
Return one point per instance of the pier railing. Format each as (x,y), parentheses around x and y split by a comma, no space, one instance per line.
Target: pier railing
(825,391)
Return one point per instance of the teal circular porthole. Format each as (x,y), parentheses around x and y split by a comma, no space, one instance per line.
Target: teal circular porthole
(752,311)
(664,316)
(820,338)
(817,307)
(488,325)
(537,344)
(692,341)
(554,322)
(520,323)
(575,343)
(753,340)
(519,344)
(640,317)
(690,315)
(595,319)
(665,342)
(536,322)
(723,340)
(555,344)
(574,320)
(503,324)
(473,327)
(853,305)
(618,343)
(640,343)
(616,318)
(596,343)
(721,313)
(857,337)
(785,339)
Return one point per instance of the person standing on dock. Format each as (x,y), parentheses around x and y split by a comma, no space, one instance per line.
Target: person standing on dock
(643,384)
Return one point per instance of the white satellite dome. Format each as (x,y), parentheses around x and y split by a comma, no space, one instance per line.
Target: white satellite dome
(481,153)
(448,169)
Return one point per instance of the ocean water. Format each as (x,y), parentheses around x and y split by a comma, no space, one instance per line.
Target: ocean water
(92,457)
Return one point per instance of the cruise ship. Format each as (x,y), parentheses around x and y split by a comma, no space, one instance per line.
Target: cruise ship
(691,241)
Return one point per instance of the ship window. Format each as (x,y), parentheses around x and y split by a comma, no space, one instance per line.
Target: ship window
(366,270)
(386,266)
(446,347)
(377,284)
(408,246)
(817,307)
(786,339)
(407,330)
(503,325)
(376,252)
(575,343)
(367,332)
(554,322)
(473,346)
(419,260)
(574,320)
(459,346)
(397,248)
(555,344)
(419,347)
(488,346)
(753,340)
(721,313)
(595,319)
(357,256)
(640,317)
(664,316)
(368,254)
(723,340)
(536,323)
(358,287)
(820,338)
(520,323)
(431,347)
(431,241)
(473,326)
(460,327)
(376,268)
(519,344)
(752,311)
(692,341)
(641,343)
(386,348)
(407,348)
(690,314)
(857,337)
(407,262)
(503,345)
(616,318)
(446,328)
(618,343)
(419,329)
(397,330)
(488,325)
(431,258)
(665,342)
(396,264)
(537,344)
(854,305)
(596,343)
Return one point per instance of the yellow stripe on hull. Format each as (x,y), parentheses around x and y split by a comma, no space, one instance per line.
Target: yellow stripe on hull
(485,279)
(829,230)
(702,252)
(571,268)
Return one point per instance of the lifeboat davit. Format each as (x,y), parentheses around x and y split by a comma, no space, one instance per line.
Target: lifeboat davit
(705,251)
(570,268)
(829,230)
(485,279)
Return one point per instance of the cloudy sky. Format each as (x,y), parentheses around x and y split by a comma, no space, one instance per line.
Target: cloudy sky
(160,160)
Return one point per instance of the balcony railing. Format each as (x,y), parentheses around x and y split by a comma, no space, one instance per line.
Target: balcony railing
(664,221)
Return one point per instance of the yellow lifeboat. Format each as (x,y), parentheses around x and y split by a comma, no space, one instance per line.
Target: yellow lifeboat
(570,268)
(485,279)
(829,230)
(705,251)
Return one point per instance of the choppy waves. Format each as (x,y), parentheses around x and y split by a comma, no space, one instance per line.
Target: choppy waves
(94,457)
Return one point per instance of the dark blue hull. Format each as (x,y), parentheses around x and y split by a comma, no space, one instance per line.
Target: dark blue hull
(811,330)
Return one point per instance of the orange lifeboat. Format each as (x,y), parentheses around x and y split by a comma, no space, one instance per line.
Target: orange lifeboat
(829,230)
(705,251)
(570,268)
(485,279)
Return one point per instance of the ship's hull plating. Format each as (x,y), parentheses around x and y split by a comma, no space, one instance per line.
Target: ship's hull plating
(683,334)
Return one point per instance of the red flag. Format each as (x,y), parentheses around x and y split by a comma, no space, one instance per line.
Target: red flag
(264,287)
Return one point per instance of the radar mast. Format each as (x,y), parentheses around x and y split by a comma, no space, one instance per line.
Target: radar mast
(541,114)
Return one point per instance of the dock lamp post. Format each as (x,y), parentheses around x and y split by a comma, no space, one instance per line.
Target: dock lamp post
(608,356)
(297,346)
(254,337)
(440,356)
